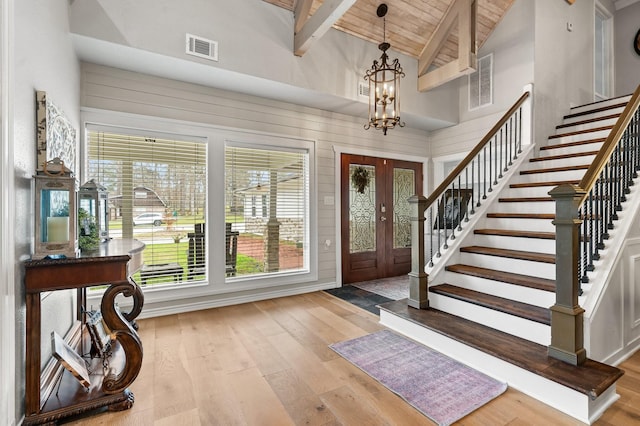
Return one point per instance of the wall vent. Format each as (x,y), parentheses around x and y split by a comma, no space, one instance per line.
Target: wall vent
(202,48)
(363,89)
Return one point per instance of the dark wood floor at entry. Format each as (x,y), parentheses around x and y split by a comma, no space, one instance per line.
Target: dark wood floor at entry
(268,363)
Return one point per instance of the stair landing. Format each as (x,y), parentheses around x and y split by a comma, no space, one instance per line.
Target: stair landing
(583,392)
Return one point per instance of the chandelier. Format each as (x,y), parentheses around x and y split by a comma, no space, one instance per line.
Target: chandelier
(384,86)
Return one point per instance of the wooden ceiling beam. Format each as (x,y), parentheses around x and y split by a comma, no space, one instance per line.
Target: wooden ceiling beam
(301,14)
(319,23)
(465,13)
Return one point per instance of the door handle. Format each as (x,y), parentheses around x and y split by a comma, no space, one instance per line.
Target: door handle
(383,218)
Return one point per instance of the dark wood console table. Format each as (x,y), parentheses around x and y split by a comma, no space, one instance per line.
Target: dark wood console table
(111,265)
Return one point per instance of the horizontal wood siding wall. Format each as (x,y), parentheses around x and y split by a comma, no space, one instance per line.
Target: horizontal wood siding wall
(113,89)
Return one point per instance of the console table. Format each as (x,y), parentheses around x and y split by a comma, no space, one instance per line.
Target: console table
(111,265)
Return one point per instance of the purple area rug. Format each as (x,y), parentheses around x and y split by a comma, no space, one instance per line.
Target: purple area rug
(439,387)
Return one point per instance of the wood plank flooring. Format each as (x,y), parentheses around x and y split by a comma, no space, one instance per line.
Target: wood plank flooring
(268,363)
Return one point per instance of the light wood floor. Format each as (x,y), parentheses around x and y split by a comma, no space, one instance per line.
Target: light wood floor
(268,363)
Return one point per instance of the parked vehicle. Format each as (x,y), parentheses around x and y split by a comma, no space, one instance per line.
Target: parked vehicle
(154,219)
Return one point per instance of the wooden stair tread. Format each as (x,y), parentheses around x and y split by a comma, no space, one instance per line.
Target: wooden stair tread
(591,378)
(518,233)
(570,144)
(555,169)
(524,199)
(500,304)
(511,254)
(539,184)
(563,156)
(591,111)
(546,216)
(591,120)
(581,132)
(505,277)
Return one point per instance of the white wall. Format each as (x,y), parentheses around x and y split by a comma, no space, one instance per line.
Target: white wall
(627,61)
(564,61)
(43,60)
(255,39)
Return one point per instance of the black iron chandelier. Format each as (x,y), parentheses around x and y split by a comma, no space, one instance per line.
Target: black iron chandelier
(384,86)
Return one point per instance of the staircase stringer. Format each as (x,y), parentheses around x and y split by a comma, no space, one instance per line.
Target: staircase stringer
(451,254)
(605,278)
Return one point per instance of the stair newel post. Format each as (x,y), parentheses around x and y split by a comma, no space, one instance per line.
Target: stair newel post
(567,334)
(418,278)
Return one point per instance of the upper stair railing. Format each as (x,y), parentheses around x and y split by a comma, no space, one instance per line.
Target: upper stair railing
(461,192)
(590,208)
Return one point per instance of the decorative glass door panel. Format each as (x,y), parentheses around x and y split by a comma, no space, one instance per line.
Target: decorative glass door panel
(403,187)
(362,208)
(376,227)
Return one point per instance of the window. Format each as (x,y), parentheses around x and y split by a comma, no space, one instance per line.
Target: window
(277,179)
(480,83)
(157,194)
(603,53)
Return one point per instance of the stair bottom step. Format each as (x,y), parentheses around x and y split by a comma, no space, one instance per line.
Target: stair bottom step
(591,378)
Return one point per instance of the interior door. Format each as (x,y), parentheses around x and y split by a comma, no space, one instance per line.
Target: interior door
(376,226)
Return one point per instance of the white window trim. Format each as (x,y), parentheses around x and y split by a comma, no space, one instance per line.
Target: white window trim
(216,137)
(609,23)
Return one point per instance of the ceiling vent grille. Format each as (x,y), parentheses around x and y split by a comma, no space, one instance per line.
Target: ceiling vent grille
(202,48)
(363,89)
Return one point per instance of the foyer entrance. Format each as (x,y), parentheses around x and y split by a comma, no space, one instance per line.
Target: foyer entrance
(375,216)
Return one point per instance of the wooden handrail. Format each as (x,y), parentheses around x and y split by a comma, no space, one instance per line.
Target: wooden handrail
(463,164)
(591,176)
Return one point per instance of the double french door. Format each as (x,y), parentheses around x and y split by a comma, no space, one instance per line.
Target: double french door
(376,226)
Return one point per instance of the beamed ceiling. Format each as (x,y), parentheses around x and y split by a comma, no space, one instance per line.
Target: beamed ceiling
(436,32)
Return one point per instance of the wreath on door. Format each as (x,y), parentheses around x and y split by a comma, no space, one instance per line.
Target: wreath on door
(360,179)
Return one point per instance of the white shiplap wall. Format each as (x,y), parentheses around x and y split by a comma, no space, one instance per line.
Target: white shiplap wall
(111,89)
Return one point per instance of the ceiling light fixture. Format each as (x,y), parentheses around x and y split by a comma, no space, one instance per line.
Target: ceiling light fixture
(384,86)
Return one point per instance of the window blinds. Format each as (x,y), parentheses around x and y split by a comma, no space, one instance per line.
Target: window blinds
(157,194)
(267,203)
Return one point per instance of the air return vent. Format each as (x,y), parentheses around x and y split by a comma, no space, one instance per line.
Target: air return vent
(201,47)
(363,89)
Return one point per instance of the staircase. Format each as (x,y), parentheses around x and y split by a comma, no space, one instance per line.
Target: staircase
(489,302)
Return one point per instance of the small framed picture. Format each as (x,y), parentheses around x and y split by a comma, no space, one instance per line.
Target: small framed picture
(452,207)
(100,339)
(70,359)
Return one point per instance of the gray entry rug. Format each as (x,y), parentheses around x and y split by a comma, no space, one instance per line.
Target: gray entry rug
(394,288)
(439,387)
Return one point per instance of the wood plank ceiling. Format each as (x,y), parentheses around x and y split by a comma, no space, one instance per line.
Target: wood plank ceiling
(409,23)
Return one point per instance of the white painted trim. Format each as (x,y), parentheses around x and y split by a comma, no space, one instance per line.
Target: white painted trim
(609,36)
(216,137)
(8,323)
(179,308)
(339,150)
(621,4)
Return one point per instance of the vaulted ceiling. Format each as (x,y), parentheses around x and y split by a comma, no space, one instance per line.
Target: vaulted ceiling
(410,24)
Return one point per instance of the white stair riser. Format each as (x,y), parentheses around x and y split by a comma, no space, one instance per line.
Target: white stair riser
(527,207)
(591,116)
(562,150)
(517,266)
(579,137)
(561,162)
(537,245)
(599,105)
(550,176)
(529,191)
(542,225)
(526,329)
(586,126)
(532,296)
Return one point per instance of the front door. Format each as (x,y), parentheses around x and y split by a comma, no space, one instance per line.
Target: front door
(376,226)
